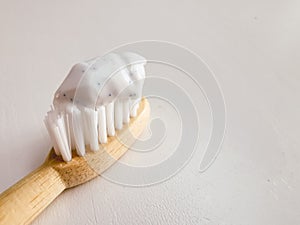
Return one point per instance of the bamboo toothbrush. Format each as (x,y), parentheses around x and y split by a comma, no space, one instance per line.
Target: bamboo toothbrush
(78,134)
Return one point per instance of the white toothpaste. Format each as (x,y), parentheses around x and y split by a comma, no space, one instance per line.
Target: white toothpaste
(97,97)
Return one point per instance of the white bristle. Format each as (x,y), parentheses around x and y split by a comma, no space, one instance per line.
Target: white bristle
(47,123)
(85,126)
(126,114)
(92,131)
(60,143)
(61,138)
(110,119)
(74,128)
(68,130)
(70,127)
(118,115)
(133,109)
(102,125)
(78,132)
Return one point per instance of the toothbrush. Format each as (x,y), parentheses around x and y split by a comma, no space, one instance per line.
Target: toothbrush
(98,105)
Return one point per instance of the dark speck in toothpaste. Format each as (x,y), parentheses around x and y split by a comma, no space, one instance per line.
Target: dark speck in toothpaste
(65,95)
(109,94)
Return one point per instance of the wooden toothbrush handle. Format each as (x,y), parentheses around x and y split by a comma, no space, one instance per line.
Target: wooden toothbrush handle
(25,200)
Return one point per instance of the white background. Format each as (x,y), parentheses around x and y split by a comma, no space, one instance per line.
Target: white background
(253,48)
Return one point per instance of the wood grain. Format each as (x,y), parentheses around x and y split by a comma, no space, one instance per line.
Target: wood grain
(24,201)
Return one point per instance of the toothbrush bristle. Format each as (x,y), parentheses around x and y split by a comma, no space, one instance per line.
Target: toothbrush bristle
(102,132)
(110,121)
(118,115)
(79,127)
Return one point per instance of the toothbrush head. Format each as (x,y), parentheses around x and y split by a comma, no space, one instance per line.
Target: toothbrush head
(82,169)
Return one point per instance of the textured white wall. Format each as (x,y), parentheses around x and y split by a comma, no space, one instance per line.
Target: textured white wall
(253,48)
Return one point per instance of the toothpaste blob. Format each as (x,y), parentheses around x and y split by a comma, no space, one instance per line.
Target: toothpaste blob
(97,97)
